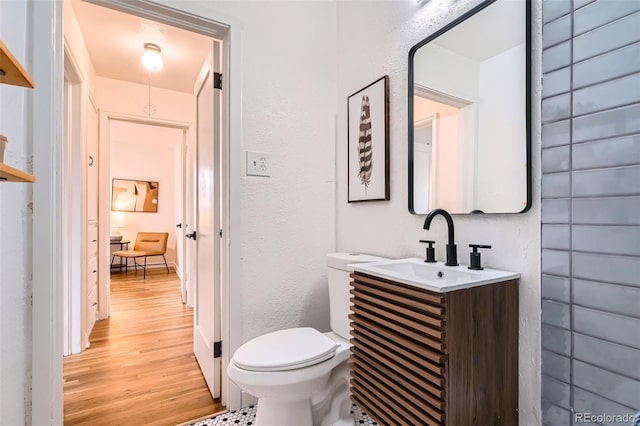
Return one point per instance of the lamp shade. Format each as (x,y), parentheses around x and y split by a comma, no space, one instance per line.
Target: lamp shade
(151,58)
(118,220)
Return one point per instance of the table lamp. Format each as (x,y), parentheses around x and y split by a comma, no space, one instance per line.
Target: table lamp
(117,222)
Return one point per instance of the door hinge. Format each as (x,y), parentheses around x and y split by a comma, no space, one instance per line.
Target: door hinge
(217,80)
(217,349)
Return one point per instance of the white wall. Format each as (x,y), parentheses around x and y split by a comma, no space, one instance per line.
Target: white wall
(288,74)
(500,181)
(288,109)
(122,97)
(374,39)
(142,152)
(445,71)
(446,163)
(75,42)
(15,229)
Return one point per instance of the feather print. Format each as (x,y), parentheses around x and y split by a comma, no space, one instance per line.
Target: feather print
(365,149)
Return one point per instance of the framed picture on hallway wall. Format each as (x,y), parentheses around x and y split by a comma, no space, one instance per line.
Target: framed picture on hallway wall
(134,196)
(368,142)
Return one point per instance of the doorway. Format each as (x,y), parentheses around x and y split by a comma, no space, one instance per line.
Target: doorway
(112,110)
(47,338)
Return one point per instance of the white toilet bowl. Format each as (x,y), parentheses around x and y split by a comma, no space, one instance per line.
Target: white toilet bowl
(292,394)
(300,375)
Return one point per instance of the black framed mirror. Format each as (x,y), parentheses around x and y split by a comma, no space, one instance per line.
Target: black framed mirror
(470,113)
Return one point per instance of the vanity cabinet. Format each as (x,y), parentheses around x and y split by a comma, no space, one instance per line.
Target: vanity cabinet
(426,358)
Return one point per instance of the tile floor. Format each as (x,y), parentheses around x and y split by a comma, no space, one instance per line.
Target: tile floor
(247,417)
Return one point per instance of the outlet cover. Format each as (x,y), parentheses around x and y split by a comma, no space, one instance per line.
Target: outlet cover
(258,163)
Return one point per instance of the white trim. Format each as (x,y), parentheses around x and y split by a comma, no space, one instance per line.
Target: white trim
(46,339)
(424,122)
(184,219)
(104,203)
(74,207)
(437,96)
(72,64)
(104,215)
(231,295)
(167,15)
(92,100)
(141,119)
(178,270)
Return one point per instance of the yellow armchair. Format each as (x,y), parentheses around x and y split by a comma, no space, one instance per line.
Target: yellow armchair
(147,244)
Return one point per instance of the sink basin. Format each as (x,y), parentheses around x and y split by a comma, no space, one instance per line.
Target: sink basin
(433,276)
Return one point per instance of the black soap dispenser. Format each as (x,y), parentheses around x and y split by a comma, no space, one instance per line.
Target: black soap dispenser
(475,261)
(431,252)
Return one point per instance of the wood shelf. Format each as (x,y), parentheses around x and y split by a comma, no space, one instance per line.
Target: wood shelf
(10,174)
(11,72)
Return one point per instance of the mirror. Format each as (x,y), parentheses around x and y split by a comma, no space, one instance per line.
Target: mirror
(469,113)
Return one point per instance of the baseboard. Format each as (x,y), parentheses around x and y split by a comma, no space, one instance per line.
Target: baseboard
(178,270)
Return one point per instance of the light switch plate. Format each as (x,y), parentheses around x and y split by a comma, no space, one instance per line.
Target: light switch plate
(258,163)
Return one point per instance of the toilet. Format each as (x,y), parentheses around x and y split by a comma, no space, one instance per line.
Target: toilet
(301,375)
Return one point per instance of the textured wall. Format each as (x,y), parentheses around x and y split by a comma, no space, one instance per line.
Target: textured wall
(374,39)
(15,230)
(590,205)
(288,108)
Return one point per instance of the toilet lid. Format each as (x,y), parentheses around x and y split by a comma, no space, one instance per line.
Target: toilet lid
(285,350)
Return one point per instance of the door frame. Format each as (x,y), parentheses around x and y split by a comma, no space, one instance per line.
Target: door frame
(74,206)
(104,199)
(48,71)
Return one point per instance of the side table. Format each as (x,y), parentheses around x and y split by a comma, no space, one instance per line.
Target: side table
(124,245)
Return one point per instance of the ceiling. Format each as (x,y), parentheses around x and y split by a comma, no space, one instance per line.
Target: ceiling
(498,27)
(115,42)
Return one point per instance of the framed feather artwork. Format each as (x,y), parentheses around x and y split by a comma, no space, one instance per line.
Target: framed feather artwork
(368,142)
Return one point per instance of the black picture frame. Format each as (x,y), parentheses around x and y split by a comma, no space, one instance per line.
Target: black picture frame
(368,177)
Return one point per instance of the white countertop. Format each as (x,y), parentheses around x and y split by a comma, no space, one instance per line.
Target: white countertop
(436,277)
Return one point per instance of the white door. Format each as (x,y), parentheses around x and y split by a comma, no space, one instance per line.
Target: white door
(207,229)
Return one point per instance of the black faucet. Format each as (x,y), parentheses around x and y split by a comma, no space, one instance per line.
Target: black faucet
(452,255)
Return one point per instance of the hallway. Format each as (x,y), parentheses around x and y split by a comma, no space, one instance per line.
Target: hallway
(140,368)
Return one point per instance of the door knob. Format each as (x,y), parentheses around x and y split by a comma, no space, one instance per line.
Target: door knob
(179,225)
(192,235)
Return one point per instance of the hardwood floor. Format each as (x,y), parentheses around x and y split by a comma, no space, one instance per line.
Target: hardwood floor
(140,368)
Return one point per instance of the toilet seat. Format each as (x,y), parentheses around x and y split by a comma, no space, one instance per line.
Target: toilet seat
(285,350)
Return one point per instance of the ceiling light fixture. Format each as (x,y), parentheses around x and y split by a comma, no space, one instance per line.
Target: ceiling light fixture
(151,58)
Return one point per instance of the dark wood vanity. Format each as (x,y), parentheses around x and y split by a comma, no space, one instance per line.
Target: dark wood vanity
(426,358)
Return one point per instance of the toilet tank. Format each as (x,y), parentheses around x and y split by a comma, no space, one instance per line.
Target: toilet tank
(339,286)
